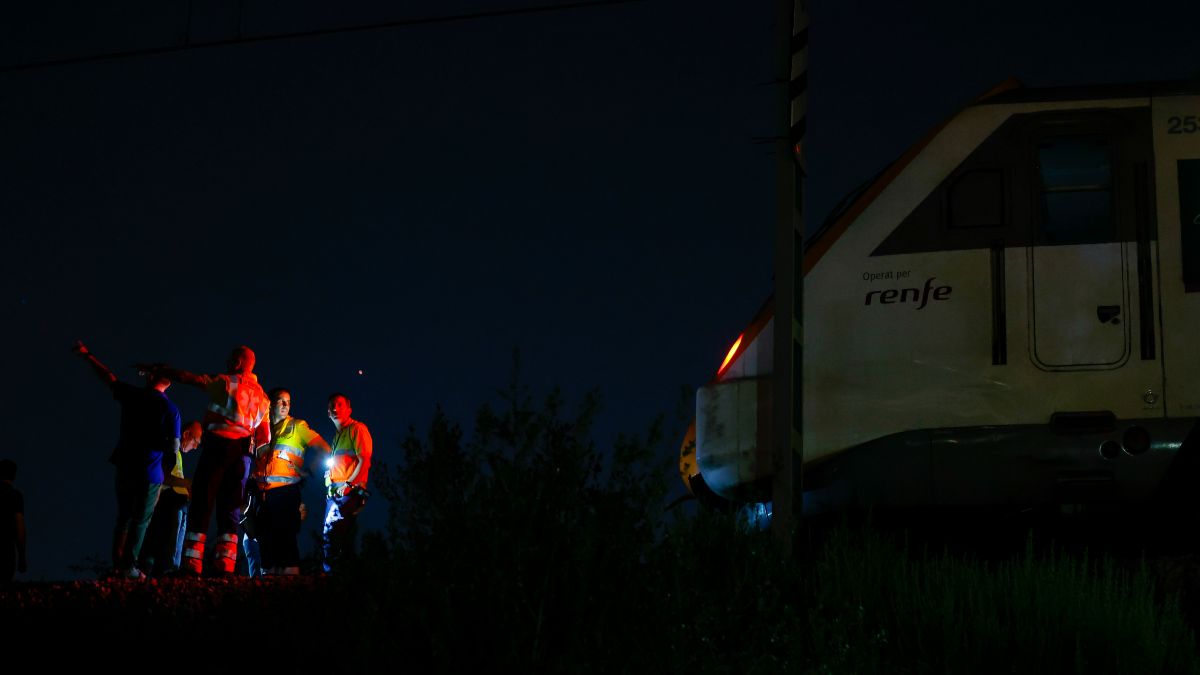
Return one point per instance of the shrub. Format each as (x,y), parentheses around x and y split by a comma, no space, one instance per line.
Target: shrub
(519,541)
(526,546)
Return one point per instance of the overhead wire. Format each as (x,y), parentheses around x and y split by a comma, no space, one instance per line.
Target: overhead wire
(188,45)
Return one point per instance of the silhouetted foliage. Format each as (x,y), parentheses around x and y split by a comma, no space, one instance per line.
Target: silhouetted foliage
(526,546)
(524,536)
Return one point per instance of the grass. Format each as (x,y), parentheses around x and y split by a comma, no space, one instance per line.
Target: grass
(708,596)
(1031,613)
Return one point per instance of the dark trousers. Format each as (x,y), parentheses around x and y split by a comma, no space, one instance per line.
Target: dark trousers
(8,560)
(220,481)
(337,535)
(164,537)
(136,499)
(278,525)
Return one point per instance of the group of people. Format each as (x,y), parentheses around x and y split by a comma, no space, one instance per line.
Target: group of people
(254,457)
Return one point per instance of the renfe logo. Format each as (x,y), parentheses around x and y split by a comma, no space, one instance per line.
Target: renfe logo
(893,295)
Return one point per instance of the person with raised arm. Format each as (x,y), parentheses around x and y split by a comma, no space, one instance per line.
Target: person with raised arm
(235,426)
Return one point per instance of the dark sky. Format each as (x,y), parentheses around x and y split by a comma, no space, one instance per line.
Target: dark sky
(416,202)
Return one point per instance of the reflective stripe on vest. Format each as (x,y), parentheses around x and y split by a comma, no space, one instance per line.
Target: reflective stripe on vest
(289,452)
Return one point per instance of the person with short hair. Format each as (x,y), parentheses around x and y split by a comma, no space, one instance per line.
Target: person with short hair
(346,493)
(12,524)
(149,428)
(279,478)
(234,429)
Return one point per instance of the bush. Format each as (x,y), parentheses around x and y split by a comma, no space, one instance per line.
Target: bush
(525,546)
(512,547)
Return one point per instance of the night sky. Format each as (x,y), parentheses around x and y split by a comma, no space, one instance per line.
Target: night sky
(417,202)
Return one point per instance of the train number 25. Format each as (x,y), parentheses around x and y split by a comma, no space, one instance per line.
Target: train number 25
(1182,125)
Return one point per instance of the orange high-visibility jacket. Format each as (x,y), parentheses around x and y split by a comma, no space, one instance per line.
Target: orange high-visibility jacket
(283,463)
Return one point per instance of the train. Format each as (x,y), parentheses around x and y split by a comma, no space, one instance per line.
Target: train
(1003,318)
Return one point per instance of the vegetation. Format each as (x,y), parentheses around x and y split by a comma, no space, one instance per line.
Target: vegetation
(524,545)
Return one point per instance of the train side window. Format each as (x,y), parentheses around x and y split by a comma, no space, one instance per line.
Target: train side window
(1189,227)
(1076,191)
(976,199)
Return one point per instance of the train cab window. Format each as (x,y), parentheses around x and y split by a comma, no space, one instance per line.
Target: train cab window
(976,199)
(1189,226)
(1076,191)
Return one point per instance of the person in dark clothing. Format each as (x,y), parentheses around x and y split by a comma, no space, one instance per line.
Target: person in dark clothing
(12,523)
(149,428)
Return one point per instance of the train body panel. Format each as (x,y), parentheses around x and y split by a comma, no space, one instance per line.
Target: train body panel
(1025,274)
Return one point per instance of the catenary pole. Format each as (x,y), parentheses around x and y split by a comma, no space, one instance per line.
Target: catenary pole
(787,386)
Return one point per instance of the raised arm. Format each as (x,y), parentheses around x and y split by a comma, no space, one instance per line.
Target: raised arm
(106,376)
(175,374)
